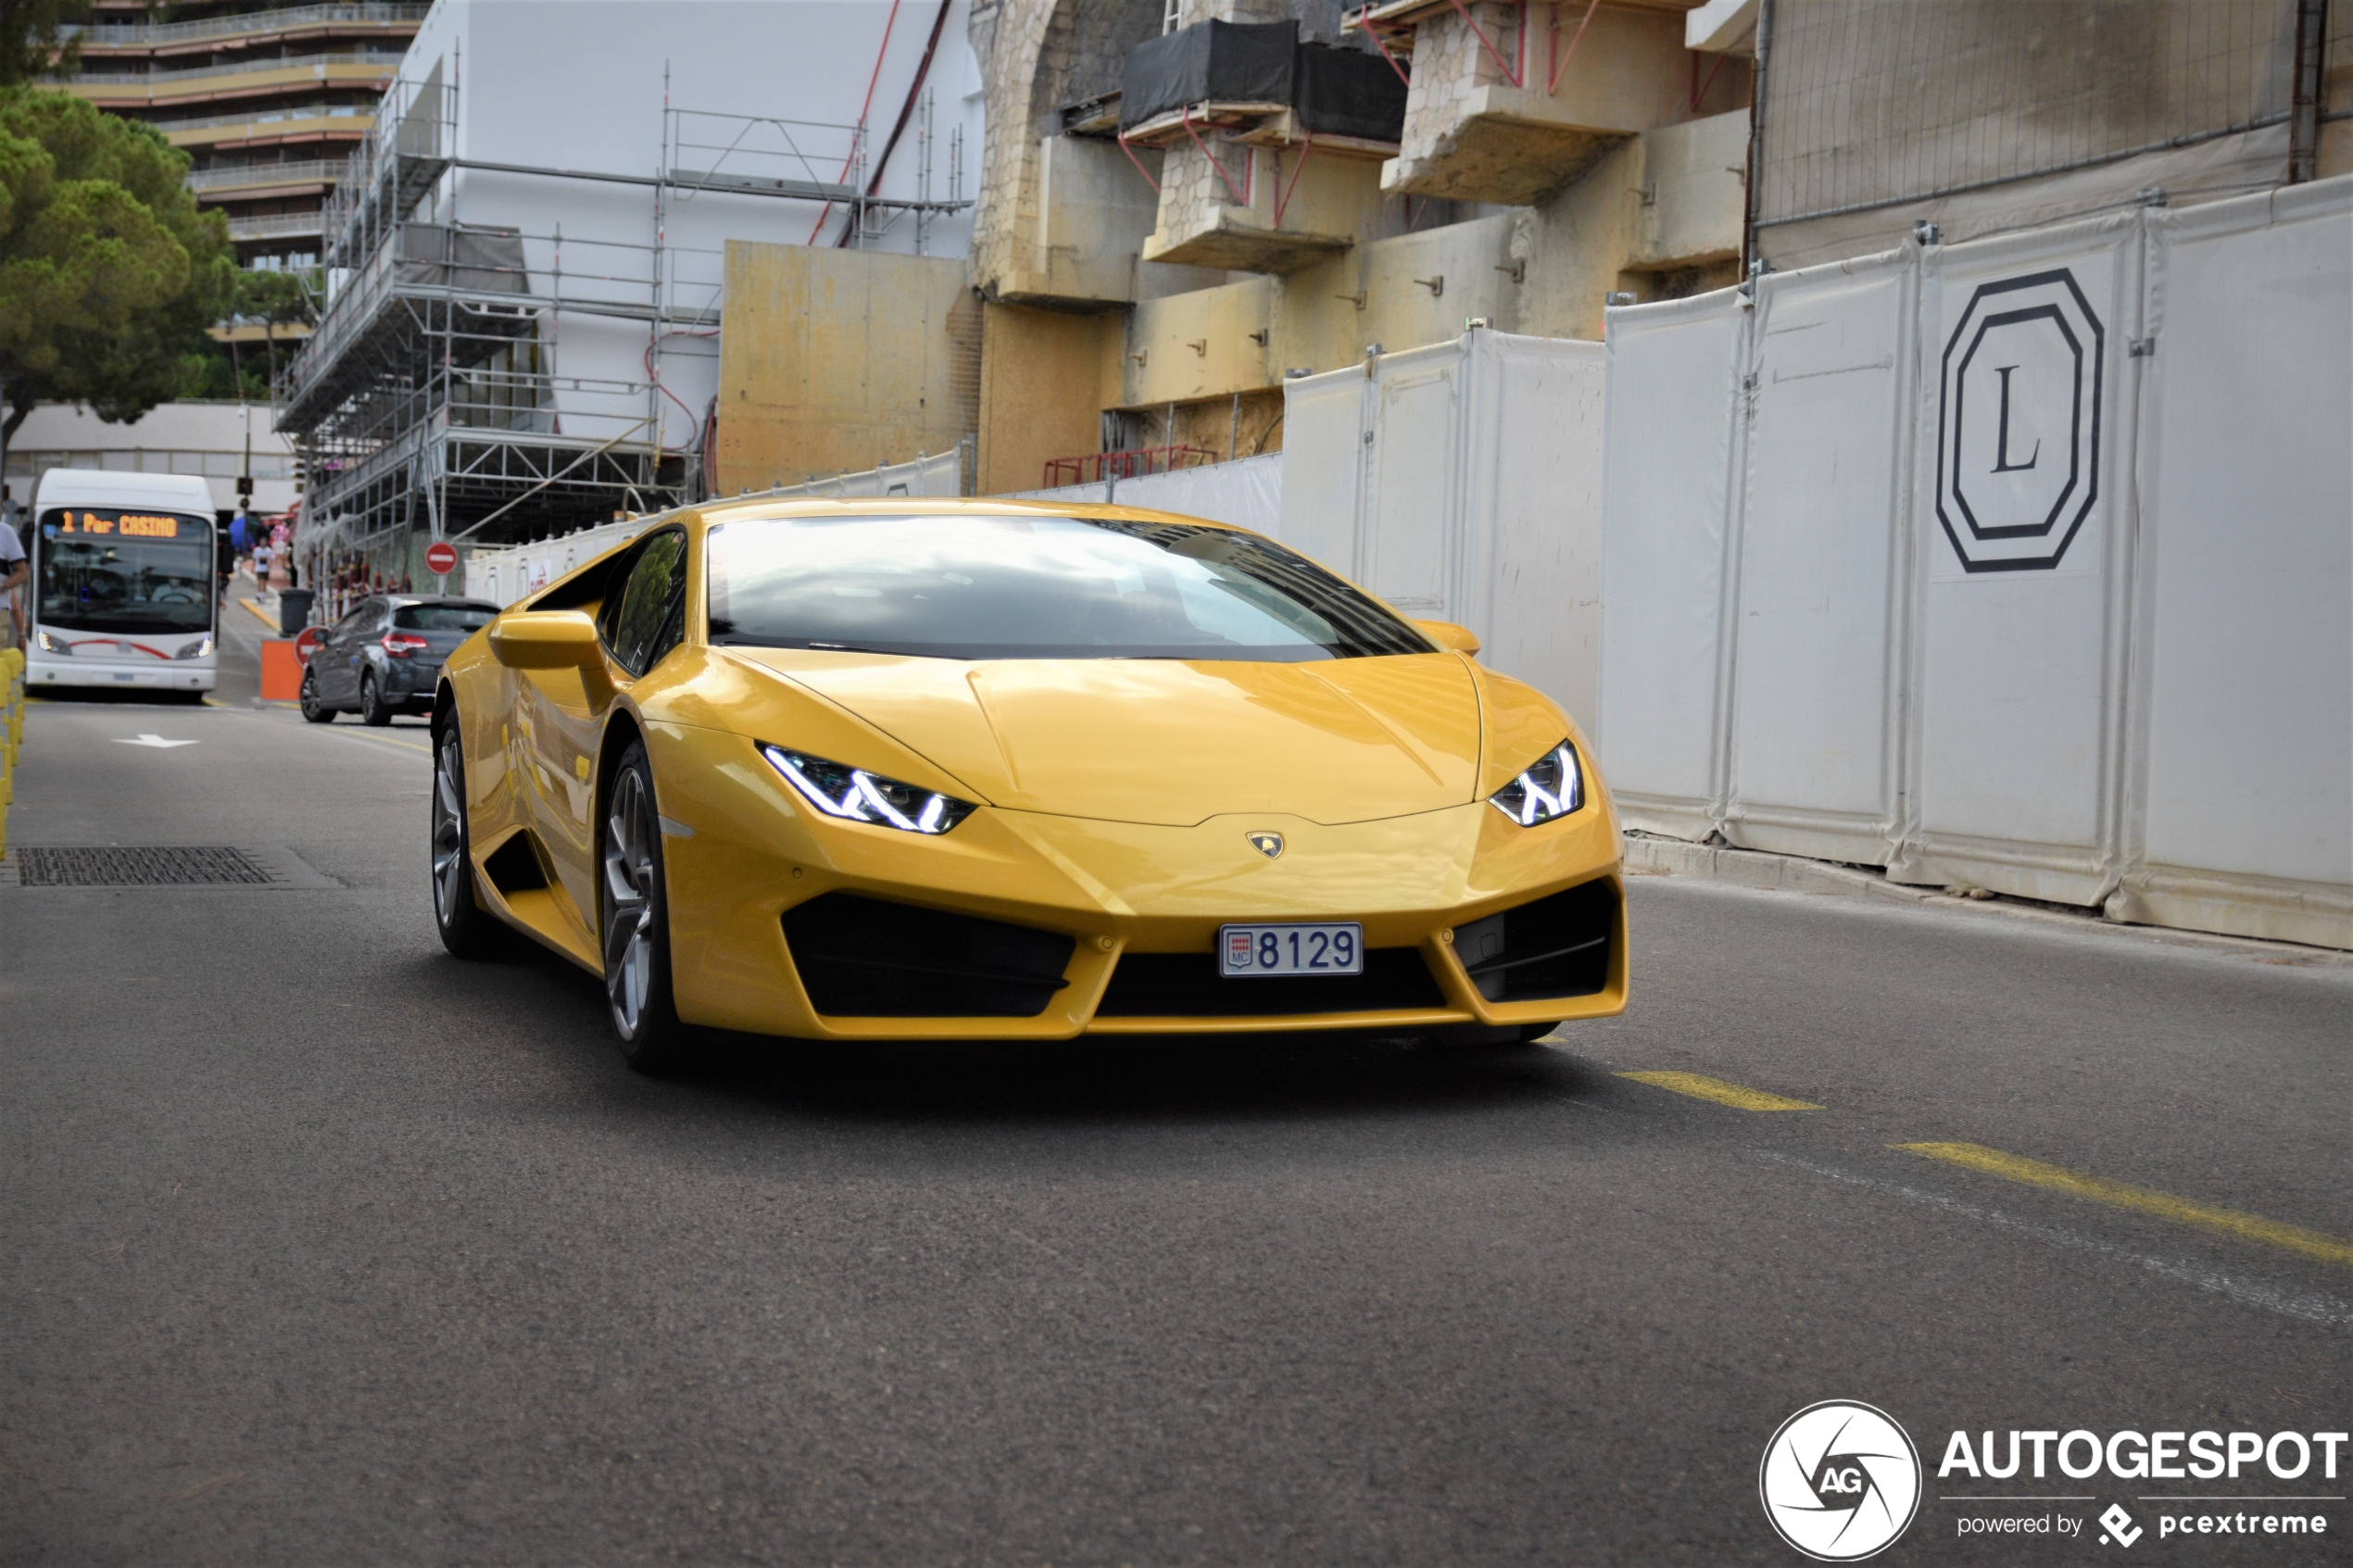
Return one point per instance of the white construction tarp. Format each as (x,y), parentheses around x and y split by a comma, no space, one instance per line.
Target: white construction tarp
(1462,481)
(2035,572)
(1247,493)
(503,573)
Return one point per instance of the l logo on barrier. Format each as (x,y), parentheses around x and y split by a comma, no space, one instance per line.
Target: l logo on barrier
(2018,439)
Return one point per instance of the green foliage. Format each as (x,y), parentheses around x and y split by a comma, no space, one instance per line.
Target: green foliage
(110,272)
(31,41)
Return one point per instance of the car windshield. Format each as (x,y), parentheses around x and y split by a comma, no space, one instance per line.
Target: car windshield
(443,617)
(966,586)
(103,570)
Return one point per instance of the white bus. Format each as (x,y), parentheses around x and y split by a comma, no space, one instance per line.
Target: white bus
(123,585)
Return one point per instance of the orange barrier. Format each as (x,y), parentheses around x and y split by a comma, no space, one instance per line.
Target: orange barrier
(281,671)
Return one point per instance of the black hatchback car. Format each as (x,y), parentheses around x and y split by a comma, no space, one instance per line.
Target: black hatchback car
(384,656)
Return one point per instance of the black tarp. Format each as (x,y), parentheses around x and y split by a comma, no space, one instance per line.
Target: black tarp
(1228,62)
(1337,92)
(1348,92)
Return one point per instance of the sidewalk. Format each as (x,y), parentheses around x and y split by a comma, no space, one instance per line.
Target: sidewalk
(1647,856)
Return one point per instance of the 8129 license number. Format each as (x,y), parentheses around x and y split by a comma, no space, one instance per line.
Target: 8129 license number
(1263,951)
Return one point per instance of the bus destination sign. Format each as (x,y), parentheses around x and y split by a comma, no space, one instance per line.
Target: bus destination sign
(123,525)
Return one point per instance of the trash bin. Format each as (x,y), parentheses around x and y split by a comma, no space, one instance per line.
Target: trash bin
(294,610)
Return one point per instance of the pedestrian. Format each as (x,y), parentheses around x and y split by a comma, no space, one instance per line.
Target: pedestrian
(262,556)
(13,575)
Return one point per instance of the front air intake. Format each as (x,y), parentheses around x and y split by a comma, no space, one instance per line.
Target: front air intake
(1555,946)
(864,958)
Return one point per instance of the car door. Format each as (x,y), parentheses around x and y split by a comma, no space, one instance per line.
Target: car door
(566,726)
(336,658)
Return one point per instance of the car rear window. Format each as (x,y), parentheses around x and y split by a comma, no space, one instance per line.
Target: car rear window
(964,586)
(443,617)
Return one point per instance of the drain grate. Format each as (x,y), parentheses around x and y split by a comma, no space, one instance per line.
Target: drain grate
(172,866)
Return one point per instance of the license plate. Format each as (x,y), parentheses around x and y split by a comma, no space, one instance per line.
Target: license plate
(1257,951)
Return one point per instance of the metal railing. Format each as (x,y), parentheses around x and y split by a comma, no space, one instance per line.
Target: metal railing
(241,176)
(1133,464)
(259,116)
(275,226)
(131,36)
(315,64)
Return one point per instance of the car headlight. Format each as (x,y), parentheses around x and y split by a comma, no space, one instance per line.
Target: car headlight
(51,645)
(196,649)
(857,796)
(1553,785)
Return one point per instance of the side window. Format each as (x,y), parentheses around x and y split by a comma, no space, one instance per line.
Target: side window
(655,590)
(354,624)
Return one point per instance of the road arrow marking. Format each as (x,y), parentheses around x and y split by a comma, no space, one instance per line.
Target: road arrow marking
(153,740)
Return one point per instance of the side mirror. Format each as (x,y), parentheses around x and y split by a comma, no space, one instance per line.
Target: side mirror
(545,639)
(1448,636)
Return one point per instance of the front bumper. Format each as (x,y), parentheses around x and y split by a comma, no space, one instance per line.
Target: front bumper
(156,674)
(1115,889)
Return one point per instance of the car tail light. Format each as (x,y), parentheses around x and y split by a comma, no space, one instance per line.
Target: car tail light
(400,645)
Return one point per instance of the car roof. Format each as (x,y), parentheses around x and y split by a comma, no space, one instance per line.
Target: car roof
(399,601)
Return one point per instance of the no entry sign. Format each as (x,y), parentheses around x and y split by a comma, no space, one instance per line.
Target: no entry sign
(441,557)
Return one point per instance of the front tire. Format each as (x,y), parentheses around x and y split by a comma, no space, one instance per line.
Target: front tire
(467,930)
(635,904)
(313,709)
(374,711)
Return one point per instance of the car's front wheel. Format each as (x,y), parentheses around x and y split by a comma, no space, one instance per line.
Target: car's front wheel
(635,910)
(313,709)
(467,930)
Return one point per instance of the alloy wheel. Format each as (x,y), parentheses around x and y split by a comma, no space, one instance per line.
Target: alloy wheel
(449,829)
(629,902)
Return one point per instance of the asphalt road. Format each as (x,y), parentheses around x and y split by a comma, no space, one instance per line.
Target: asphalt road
(322,1247)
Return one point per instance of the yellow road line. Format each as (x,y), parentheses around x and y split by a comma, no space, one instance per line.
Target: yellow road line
(258,613)
(2118,1195)
(1739,1097)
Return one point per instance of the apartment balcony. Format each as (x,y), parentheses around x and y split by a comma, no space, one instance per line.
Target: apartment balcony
(1509,103)
(241,78)
(265,182)
(250,28)
(277,226)
(269,125)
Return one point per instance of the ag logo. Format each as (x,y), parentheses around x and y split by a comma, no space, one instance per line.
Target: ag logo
(2017,436)
(1267,844)
(1839,1481)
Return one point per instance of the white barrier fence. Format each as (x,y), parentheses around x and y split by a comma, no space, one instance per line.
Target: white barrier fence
(504,573)
(1247,493)
(1462,481)
(2025,564)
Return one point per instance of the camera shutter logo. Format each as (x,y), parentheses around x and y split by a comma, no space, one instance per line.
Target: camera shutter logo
(2018,423)
(1841,1480)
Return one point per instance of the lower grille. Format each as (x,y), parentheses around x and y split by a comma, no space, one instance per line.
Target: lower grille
(173,866)
(1555,946)
(1188,985)
(864,958)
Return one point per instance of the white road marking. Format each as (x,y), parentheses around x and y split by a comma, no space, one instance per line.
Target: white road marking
(154,740)
(2308,1306)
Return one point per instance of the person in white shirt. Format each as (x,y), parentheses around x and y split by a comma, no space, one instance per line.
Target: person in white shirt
(14,573)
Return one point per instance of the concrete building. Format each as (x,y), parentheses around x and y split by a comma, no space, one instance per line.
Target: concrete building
(1152,272)
(216,442)
(268,100)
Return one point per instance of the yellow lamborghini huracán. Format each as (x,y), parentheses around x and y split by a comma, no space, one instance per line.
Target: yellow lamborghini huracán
(913,769)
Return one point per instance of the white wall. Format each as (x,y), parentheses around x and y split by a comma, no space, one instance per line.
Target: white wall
(206,439)
(2035,572)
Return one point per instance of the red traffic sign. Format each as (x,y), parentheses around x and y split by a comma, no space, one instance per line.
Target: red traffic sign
(441,557)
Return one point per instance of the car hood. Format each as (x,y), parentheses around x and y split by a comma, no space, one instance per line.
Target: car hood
(1169,741)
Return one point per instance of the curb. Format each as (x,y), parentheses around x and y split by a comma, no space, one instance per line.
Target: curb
(261,615)
(1645,855)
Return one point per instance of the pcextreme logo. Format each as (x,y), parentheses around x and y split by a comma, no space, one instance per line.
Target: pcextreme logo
(1839,1481)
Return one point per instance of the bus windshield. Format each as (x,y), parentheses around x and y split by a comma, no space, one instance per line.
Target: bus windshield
(108,569)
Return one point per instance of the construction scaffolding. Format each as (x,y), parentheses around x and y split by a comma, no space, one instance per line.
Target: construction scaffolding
(438,397)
